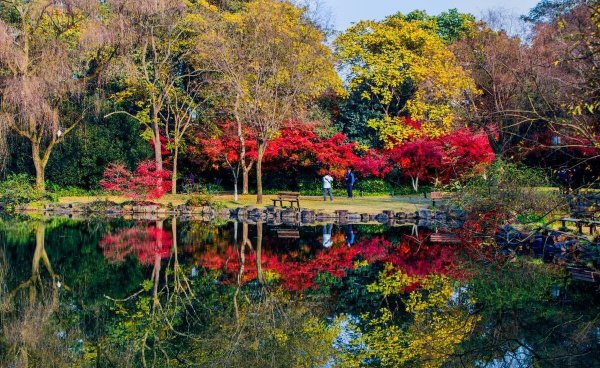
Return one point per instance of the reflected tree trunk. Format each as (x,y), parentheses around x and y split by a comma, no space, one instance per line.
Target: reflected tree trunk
(157,264)
(259,235)
(35,283)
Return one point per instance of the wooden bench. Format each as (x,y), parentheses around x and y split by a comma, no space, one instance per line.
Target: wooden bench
(581,274)
(438,196)
(292,197)
(580,223)
(444,238)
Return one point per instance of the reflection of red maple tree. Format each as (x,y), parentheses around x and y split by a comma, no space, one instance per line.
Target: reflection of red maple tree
(146,243)
(300,274)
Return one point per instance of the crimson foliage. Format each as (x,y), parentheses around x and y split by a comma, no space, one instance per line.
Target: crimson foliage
(145,182)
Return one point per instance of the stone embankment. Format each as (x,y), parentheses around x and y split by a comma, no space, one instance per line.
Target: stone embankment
(269,214)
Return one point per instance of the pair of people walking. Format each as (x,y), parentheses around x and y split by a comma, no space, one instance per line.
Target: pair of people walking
(350,179)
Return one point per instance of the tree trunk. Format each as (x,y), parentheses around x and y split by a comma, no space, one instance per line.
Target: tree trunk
(157,146)
(40,167)
(235,171)
(415,183)
(245,173)
(259,271)
(259,188)
(174,174)
(157,264)
(245,180)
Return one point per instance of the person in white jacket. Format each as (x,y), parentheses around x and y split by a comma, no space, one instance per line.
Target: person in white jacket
(327,183)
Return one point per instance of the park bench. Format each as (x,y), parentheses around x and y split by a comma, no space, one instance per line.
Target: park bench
(585,206)
(438,196)
(288,234)
(592,224)
(291,197)
(582,274)
(444,239)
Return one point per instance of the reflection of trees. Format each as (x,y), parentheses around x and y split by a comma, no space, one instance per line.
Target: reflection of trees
(436,326)
(267,327)
(523,325)
(296,273)
(29,312)
(200,323)
(145,242)
(35,283)
(151,317)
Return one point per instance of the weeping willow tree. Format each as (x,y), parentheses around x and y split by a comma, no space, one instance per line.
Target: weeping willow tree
(49,53)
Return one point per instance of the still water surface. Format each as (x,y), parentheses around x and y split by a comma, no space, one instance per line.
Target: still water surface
(115,293)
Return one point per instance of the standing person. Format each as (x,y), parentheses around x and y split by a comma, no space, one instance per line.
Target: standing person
(350,180)
(327,182)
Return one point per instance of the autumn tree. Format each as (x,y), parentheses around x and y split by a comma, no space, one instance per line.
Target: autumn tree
(418,159)
(156,37)
(564,58)
(222,147)
(405,65)
(497,63)
(50,53)
(184,111)
(272,62)
(145,182)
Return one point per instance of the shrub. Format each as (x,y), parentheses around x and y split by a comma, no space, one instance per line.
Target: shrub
(204,200)
(17,190)
(70,191)
(509,191)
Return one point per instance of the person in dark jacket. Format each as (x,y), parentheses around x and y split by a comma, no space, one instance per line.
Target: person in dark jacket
(350,180)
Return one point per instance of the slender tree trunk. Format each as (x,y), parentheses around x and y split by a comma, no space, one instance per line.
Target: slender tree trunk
(157,146)
(157,263)
(245,172)
(174,174)
(235,171)
(259,188)
(415,182)
(40,167)
(259,270)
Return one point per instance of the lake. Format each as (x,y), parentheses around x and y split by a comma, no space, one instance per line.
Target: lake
(173,293)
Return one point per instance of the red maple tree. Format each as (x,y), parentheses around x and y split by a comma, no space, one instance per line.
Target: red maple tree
(441,160)
(145,182)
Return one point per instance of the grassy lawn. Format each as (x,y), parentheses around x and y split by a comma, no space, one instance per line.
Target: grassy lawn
(359,204)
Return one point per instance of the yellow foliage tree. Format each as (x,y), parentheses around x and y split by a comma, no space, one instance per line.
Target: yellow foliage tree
(271,61)
(406,66)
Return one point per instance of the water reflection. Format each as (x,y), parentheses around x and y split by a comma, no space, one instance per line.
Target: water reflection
(166,292)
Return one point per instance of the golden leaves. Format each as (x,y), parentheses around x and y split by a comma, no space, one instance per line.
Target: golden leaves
(404,65)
